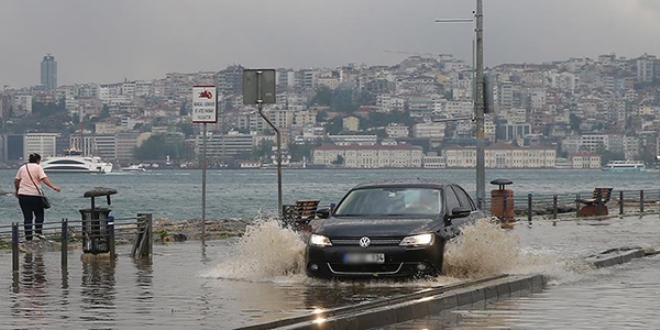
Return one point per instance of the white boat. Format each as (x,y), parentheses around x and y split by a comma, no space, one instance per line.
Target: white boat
(134,168)
(74,162)
(625,166)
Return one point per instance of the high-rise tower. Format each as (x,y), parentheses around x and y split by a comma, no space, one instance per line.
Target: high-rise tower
(49,72)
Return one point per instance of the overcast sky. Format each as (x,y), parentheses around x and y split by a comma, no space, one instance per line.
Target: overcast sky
(109,40)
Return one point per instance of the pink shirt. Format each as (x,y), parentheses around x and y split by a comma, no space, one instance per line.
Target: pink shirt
(26,187)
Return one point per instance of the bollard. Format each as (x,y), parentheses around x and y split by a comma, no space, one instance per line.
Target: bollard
(14,247)
(621,202)
(577,205)
(529,208)
(641,201)
(150,236)
(111,239)
(554,207)
(65,242)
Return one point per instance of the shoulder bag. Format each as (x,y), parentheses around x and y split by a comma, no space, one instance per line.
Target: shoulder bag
(45,203)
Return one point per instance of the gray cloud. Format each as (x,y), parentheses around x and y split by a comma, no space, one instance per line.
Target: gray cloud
(107,41)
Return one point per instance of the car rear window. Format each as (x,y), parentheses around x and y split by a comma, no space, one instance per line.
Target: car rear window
(391,202)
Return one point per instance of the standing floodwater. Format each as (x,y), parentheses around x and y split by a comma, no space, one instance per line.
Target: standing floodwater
(233,284)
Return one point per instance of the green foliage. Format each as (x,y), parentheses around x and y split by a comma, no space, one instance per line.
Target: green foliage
(298,151)
(323,96)
(159,146)
(264,149)
(105,112)
(335,126)
(575,122)
(186,128)
(606,156)
(379,119)
(342,101)
(339,160)
(45,117)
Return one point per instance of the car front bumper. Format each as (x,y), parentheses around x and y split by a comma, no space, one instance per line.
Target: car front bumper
(328,262)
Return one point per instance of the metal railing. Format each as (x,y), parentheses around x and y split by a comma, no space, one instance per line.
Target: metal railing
(567,206)
(65,231)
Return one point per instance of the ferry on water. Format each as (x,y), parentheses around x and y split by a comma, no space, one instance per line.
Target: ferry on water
(73,161)
(625,166)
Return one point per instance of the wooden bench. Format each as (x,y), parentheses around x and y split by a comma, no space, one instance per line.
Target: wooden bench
(597,204)
(301,213)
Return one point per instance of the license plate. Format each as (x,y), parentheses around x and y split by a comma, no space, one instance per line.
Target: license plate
(364,258)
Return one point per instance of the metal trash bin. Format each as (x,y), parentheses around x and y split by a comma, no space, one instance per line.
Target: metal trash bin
(95,222)
(501,200)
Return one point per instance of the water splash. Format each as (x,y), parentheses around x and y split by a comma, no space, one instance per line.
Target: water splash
(266,251)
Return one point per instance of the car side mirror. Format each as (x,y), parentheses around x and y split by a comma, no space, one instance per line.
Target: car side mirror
(323,213)
(460,212)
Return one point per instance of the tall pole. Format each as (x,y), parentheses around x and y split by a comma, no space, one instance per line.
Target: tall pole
(479,107)
(204,184)
(260,105)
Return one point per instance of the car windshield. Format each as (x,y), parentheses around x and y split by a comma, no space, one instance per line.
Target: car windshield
(391,202)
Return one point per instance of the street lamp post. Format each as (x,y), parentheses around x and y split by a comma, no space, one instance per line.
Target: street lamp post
(478,97)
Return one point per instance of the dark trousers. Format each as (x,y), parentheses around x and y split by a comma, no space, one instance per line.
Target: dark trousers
(32,207)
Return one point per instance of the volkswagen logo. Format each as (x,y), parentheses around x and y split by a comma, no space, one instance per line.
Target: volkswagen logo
(365,241)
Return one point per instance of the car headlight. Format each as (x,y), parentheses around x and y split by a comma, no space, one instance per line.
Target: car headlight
(319,240)
(417,240)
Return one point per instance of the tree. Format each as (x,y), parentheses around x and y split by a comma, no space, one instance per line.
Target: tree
(342,100)
(159,146)
(323,96)
(575,122)
(339,160)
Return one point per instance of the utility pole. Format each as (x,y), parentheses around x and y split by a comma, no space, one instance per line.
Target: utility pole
(478,96)
(479,107)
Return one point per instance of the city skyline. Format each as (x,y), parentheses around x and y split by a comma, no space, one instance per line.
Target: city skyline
(153,38)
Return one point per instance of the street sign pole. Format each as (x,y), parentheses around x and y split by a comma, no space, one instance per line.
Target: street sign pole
(205,110)
(259,88)
(204,165)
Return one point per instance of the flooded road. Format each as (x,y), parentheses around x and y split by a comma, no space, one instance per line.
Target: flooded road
(235,283)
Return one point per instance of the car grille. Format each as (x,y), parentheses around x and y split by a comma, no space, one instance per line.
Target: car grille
(355,241)
(384,269)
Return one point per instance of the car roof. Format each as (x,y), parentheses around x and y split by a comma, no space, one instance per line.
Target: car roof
(417,182)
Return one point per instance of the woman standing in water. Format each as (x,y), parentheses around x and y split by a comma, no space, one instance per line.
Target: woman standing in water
(27,184)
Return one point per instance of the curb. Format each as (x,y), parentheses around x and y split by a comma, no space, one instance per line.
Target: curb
(399,309)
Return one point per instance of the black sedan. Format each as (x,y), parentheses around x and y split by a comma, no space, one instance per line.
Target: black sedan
(389,229)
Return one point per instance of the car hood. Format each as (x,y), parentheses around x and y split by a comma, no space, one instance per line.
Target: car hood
(351,227)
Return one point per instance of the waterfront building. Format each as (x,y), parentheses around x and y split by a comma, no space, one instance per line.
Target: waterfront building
(585,159)
(502,155)
(49,72)
(392,155)
(223,146)
(125,143)
(433,160)
(41,143)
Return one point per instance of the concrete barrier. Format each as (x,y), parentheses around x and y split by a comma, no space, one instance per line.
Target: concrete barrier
(426,302)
